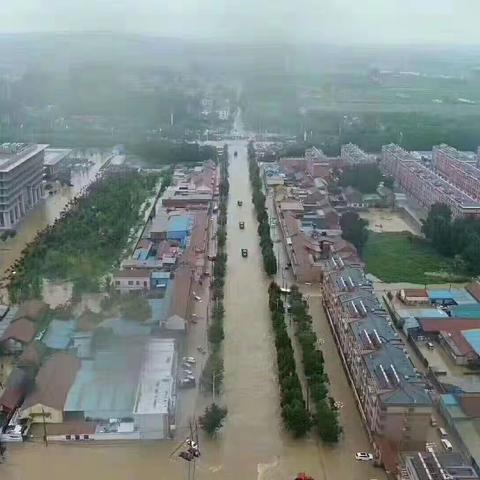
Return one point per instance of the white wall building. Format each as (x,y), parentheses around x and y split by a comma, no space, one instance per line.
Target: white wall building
(21,175)
(154,409)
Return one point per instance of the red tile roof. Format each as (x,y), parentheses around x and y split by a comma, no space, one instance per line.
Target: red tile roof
(32,309)
(181,296)
(54,380)
(470,404)
(415,292)
(22,330)
(133,273)
(474,290)
(461,343)
(449,325)
(15,389)
(32,356)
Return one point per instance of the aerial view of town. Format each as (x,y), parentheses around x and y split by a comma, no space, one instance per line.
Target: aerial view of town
(240,258)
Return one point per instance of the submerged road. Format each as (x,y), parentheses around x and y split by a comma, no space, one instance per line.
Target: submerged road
(252,445)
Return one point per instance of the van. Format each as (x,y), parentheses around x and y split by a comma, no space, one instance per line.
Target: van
(442,432)
(447,445)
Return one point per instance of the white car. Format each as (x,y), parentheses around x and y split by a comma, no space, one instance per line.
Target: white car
(189,360)
(363,456)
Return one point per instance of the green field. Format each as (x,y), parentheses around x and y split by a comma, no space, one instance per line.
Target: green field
(402,257)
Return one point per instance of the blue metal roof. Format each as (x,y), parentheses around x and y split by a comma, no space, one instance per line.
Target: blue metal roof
(179,223)
(459,296)
(160,306)
(466,311)
(59,334)
(473,338)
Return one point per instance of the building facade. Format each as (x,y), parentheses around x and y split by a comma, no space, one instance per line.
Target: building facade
(424,185)
(391,394)
(21,175)
(456,168)
(351,154)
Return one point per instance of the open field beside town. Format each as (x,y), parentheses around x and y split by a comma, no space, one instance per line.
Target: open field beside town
(402,257)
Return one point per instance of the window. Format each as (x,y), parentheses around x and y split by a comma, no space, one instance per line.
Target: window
(117,283)
(137,283)
(130,282)
(145,284)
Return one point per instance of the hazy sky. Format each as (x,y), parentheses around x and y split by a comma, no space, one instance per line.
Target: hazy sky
(337,21)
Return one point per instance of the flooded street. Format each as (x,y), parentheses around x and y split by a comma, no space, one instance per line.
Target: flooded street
(49,209)
(252,445)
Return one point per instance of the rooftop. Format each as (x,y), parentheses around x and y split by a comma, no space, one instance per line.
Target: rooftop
(55,155)
(156,382)
(53,381)
(14,154)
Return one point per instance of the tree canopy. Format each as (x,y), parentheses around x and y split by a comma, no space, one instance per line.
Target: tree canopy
(354,229)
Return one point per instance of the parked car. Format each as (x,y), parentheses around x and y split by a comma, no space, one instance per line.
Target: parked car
(363,456)
(433,421)
(239,203)
(442,432)
(241,225)
(186,383)
(447,445)
(189,360)
(244,252)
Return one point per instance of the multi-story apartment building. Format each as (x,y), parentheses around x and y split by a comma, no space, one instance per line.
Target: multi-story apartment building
(456,168)
(424,185)
(351,154)
(391,393)
(21,175)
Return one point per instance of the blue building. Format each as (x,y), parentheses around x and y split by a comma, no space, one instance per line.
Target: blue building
(178,227)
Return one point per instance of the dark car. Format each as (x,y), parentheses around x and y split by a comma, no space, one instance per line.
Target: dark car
(244,252)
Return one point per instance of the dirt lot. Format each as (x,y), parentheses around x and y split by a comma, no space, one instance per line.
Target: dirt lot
(381,220)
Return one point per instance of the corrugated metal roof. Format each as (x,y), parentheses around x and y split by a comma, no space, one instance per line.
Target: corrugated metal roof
(105,387)
(59,334)
(179,223)
(473,338)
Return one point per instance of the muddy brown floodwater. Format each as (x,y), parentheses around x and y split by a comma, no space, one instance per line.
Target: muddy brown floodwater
(48,210)
(252,445)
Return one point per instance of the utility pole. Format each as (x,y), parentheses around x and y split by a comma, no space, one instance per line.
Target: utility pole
(213,386)
(45,438)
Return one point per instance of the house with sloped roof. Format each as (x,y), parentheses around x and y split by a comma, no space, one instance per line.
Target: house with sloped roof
(17,335)
(15,390)
(54,379)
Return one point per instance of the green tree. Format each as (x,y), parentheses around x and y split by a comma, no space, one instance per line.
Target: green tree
(471,254)
(354,229)
(212,419)
(135,307)
(296,417)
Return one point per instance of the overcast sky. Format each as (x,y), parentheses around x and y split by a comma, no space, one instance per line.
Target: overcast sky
(335,21)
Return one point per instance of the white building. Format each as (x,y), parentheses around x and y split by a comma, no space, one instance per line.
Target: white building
(154,409)
(21,175)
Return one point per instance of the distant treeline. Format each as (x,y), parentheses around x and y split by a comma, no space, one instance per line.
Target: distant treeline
(168,152)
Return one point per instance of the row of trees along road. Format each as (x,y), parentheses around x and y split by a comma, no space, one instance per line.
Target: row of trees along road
(325,417)
(212,374)
(458,238)
(295,415)
(266,244)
